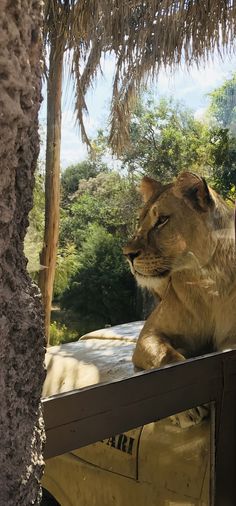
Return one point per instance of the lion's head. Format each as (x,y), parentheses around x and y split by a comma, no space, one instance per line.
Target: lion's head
(179,227)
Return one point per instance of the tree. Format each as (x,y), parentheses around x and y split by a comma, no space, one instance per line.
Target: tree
(223,104)
(222,112)
(52,180)
(142,37)
(165,139)
(109,200)
(223,161)
(22,351)
(98,219)
(103,291)
(73,174)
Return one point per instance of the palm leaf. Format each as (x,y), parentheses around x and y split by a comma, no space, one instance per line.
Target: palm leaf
(144,36)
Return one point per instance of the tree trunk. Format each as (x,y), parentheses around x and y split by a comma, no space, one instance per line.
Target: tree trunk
(21,322)
(52,181)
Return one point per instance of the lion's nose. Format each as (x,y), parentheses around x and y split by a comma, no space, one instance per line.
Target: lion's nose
(131,255)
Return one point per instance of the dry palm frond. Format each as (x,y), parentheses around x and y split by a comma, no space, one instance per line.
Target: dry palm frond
(143,36)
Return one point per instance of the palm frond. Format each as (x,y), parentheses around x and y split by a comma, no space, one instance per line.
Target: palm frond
(144,35)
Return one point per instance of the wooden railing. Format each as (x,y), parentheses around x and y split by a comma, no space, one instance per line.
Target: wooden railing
(84,416)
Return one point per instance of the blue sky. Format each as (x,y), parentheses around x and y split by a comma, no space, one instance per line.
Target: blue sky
(191,87)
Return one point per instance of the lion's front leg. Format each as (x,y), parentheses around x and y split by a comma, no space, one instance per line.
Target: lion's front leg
(155,346)
(154,351)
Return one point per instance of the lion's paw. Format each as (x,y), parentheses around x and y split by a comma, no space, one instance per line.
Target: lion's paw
(190,417)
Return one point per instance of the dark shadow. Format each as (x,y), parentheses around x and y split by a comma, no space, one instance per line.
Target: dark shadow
(48,499)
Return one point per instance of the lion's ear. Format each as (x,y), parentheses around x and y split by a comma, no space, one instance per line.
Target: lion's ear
(194,190)
(149,187)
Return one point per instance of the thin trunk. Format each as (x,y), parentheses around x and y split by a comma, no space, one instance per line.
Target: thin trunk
(21,322)
(52,181)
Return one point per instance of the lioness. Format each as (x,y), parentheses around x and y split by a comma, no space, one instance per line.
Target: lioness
(184,250)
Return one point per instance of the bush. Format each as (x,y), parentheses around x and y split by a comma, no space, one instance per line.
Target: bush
(60,334)
(103,291)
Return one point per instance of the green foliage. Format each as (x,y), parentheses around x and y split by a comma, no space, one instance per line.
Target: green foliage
(223,161)
(108,200)
(34,237)
(73,174)
(223,104)
(60,334)
(103,290)
(223,145)
(67,266)
(165,139)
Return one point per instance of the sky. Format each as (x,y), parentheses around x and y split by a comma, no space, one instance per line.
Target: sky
(189,86)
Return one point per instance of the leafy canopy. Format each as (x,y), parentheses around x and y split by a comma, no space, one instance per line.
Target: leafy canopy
(103,290)
(73,174)
(223,104)
(165,139)
(108,200)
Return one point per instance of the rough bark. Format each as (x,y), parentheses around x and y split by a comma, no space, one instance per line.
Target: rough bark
(52,181)
(21,334)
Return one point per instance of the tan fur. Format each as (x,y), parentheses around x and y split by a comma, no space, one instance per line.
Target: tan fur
(184,250)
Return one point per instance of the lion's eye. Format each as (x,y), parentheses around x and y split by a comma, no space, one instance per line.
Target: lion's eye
(162,220)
